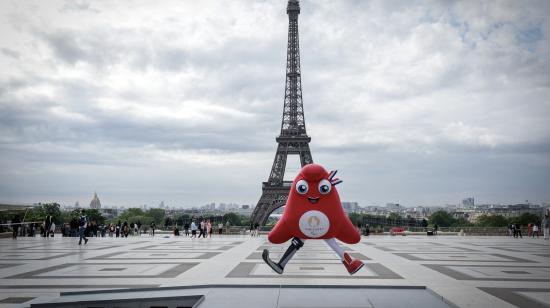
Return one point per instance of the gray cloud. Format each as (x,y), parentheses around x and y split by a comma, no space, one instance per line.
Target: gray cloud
(446,100)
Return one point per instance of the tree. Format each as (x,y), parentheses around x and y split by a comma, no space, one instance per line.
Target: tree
(245,220)
(424,223)
(91,214)
(156,214)
(492,221)
(461,222)
(183,219)
(40,212)
(356,219)
(143,220)
(131,212)
(528,218)
(394,217)
(442,219)
(233,219)
(168,222)
(95,215)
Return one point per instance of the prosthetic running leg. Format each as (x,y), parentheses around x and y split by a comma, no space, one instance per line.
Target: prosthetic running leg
(295,245)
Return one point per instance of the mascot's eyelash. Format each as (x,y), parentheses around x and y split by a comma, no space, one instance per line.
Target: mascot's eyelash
(334,181)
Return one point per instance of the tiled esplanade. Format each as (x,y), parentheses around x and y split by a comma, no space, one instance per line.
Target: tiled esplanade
(464,271)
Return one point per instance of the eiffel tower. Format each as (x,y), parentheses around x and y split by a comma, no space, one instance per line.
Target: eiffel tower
(293,139)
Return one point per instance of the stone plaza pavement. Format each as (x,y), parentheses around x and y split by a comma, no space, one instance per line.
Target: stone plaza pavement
(460,271)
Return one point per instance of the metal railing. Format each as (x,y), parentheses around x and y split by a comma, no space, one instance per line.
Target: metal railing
(479,231)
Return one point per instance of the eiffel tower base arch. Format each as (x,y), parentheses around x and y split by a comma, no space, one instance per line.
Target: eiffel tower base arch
(272,198)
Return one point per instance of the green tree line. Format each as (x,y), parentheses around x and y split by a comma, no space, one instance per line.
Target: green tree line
(445,219)
(156,215)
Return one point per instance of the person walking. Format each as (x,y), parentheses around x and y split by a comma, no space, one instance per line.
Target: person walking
(47,225)
(117,229)
(125,229)
(201,229)
(518,230)
(209,228)
(52,229)
(153,226)
(546,227)
(93,227)
(529,230)
(83,224)
(220,228)
(74,227)
(535,231)
(193,229)
(186,228)
(15,224)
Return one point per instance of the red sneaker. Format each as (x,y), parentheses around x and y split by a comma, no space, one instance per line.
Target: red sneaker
(352,265)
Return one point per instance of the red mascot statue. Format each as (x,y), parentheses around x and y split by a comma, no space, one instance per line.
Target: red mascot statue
(313,211)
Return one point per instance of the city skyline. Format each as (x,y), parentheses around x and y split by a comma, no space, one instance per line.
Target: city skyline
(464,203)
(181,101)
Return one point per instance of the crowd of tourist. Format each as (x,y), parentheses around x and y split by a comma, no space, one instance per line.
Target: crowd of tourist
(196,228)
(204,228)
(533,229)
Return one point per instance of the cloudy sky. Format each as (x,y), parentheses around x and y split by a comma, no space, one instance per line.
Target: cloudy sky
(421,103)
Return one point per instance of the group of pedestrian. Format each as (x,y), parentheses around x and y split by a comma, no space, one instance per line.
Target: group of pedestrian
(49,227)
(254,229)
(204,228)
(82,227)
(514,229)
(124,229)
(533,229)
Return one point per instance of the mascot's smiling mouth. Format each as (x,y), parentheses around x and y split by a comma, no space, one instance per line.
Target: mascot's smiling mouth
(313,200)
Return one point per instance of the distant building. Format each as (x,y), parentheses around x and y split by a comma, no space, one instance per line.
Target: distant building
(351,207)
(245,210)
(232,206)
(393,206)
(210,206)
(468,202)
(109,213)
(95,204)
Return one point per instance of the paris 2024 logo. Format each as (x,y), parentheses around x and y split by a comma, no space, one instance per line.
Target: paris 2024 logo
(314,224)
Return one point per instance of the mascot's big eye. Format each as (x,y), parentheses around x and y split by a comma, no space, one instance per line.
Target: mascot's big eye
(324,187)
(302,187)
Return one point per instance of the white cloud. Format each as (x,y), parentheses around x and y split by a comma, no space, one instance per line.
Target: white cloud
(394,87)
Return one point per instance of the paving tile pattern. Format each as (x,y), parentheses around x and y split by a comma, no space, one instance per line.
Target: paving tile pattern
(466,271)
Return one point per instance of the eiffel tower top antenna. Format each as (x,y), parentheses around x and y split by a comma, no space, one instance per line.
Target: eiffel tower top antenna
(293,139)
(293,123)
